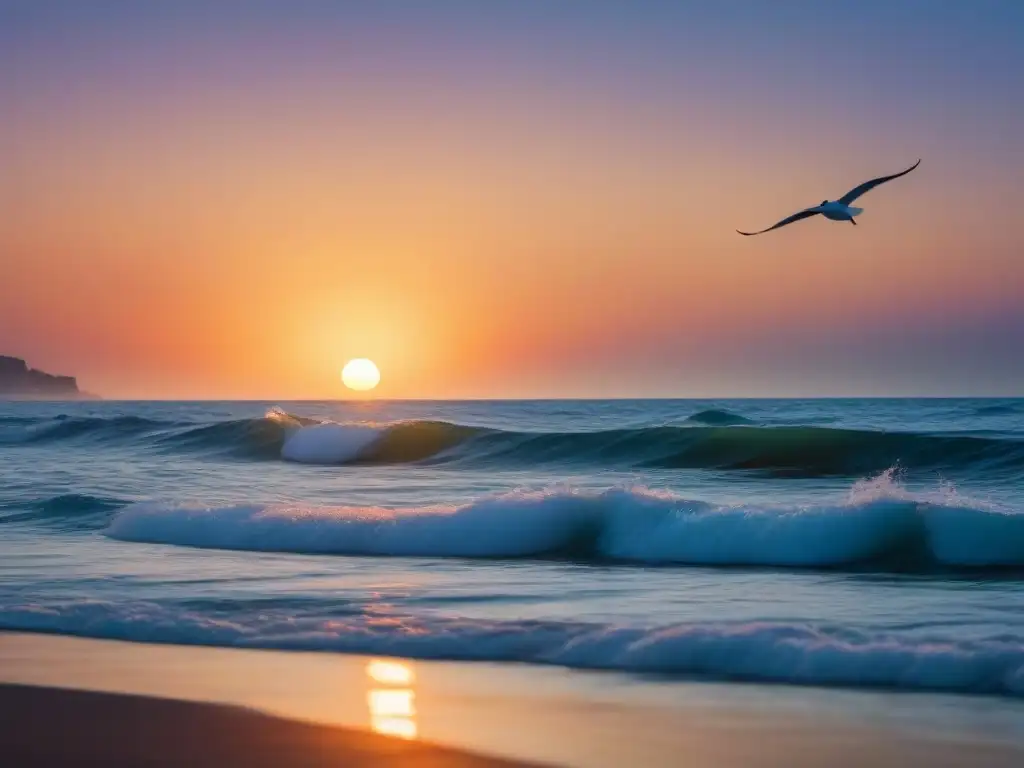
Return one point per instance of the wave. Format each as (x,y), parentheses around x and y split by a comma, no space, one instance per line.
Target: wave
(257,439)
(17,420)
(997,409)
(30,431)
(711,439)
(800,451)
(400,443)
(67,511)
(248,438)
(808,451)
(718,418)
(878,523)
(781,652)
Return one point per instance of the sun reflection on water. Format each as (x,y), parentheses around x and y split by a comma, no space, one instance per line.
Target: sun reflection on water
(392,708)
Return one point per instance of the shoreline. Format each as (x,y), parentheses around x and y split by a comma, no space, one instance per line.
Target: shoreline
(538,716)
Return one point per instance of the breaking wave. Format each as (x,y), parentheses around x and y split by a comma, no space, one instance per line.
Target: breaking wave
(710,439)
(879,522)
(803,653)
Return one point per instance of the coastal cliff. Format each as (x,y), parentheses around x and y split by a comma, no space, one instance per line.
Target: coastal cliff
(17,380)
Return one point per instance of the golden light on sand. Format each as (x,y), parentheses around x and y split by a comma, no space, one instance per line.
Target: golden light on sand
(360,374)
(401,727)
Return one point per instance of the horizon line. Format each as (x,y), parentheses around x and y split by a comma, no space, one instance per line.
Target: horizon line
(657,398)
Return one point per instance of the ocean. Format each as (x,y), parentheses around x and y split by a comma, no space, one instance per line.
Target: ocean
(836,544)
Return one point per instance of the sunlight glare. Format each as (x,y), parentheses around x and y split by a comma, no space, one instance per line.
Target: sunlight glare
(392,709)
(390,672)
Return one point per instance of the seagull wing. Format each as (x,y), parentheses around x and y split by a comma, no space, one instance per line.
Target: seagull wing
(867,186)
(788,220)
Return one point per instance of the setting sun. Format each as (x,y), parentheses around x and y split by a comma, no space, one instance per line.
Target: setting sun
(360,374)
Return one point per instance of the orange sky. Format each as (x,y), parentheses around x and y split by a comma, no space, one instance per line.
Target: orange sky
(180,222)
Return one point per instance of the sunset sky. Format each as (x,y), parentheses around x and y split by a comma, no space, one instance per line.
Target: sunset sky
(517,199)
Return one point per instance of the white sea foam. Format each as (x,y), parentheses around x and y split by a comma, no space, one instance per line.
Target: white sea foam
(328,443)
(325,442)
(790,652)
(878,519)
(508,526)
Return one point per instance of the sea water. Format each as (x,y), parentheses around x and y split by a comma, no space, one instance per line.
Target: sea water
(836,544)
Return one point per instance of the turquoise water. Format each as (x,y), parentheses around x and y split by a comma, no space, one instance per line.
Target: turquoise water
(829,543)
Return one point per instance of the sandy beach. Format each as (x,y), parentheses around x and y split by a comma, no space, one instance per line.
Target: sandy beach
(55,727)
(171,705)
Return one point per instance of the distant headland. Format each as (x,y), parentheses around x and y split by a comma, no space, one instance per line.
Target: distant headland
(18,381)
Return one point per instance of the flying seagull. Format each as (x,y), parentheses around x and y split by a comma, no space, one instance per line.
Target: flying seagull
(837,210)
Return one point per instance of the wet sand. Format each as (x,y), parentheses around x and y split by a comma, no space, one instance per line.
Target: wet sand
(323,709)
(54,727)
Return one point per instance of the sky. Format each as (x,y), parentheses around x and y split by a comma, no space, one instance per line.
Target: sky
(524,199)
